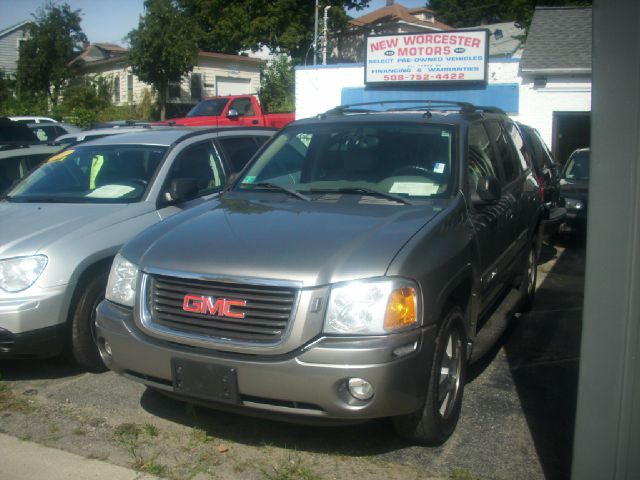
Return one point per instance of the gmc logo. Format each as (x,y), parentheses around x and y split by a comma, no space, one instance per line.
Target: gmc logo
(221,307)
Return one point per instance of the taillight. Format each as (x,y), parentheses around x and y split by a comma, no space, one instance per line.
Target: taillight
(541,184)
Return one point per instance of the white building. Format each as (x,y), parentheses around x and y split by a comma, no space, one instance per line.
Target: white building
(10,39)
(214,74)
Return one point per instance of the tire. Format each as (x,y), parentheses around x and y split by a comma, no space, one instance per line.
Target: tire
(528,279)
(434,423)
(82,347)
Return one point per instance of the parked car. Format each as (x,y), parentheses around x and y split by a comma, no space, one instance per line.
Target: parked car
(93,134)
(356,265)
(574,191)
(61,226)
(47,132)
(15,133)
(29,119)
(17,161)
(231,110)
(547,173)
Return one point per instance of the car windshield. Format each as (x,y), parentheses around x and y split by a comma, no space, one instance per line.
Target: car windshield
(91,174)
(208,108)
(401,160)
(577,167)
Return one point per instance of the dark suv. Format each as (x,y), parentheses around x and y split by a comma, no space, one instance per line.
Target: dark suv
(547,173)
(356,266)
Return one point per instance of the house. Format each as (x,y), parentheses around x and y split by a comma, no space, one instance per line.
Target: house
(10,39)
(348,46)
(555,73)
(214,74)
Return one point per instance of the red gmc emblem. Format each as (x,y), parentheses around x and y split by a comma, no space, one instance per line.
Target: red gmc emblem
(221,307)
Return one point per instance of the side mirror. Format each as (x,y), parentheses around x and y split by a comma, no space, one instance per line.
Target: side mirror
(183,189)
(233,114)
(487,192)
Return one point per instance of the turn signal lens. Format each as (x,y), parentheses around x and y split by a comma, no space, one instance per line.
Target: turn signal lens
(401,309)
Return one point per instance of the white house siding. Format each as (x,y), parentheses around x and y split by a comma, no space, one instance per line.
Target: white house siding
(9,50)
(561,94)
(113,70)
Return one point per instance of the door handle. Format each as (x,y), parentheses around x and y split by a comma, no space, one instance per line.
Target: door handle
(255,122)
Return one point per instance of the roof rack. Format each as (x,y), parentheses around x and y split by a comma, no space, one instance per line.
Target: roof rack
(464,107)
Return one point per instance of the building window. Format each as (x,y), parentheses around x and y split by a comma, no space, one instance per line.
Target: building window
(196,86)
(116,89)
(130,88)
(174,90)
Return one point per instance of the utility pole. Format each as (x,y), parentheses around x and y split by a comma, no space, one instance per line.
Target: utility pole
(315,36)
(325,34)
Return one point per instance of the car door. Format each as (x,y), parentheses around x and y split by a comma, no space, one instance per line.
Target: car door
(491,222)
(199,161)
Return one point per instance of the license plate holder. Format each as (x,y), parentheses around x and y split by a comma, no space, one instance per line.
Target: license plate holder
(217,383)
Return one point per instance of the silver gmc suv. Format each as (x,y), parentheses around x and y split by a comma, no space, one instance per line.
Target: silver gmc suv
(357,265)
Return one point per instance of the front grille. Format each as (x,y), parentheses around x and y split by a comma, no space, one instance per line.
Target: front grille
(266,314)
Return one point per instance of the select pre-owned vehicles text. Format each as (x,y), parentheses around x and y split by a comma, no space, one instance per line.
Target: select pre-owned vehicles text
(359,263)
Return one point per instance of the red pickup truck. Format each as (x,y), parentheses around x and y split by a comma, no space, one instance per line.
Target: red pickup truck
(237,110)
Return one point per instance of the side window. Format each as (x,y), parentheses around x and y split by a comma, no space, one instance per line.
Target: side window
(243,106)
(506,151)
(482,157)
(201,163)
(523,154)
(238,150)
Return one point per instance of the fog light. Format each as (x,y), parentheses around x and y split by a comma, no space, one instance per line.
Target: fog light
(107,348)
(360,389)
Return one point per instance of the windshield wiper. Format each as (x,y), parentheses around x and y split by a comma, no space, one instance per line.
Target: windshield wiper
(275,186)
(366,191)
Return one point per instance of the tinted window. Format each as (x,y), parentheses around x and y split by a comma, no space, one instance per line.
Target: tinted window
(506,152)
(577,167)
(200,162)
(516,138)
(482,157)
(238,150)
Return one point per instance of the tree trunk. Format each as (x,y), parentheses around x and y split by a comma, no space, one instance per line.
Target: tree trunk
(163,99)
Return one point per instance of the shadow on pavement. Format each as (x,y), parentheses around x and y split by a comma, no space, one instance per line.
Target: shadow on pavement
(543,349)
(38,369)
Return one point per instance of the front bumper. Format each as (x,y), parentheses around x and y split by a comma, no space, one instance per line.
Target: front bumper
(32,322)
(307,385)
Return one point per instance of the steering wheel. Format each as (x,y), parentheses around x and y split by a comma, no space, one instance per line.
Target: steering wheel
(416,170)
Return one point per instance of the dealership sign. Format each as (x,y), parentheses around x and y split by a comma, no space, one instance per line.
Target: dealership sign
(439,57)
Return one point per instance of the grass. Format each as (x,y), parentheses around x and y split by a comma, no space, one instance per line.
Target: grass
(291,469)
(10,402)
(462,474)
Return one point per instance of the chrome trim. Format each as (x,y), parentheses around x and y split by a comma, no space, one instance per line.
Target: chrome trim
(223,278)
(144,319)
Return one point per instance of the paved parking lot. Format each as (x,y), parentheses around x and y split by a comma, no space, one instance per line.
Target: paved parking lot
(517,416)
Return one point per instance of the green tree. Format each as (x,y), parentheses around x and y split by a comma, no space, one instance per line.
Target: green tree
(471,13)
(55,37)
(278,85)
(286,26)
(7,89)
(163,47)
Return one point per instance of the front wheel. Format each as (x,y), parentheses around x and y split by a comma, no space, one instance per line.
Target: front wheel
(82,347)
(529,278)
(436,421)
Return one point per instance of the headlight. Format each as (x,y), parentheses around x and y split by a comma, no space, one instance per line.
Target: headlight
(20,273)
(121,287)
(372,307)
(573,204)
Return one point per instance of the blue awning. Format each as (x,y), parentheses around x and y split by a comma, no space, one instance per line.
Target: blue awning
(502,95)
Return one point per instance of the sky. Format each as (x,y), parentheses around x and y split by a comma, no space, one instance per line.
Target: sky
(109,21)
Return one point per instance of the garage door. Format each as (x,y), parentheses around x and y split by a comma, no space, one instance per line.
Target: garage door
(232,86)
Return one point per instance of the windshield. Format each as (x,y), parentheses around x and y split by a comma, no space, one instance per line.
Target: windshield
(208,108)
(577,167)
(401,160)
(92,174)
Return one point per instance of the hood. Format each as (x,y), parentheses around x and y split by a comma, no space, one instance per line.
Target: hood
(27,228)
(310,243)
(575,189)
